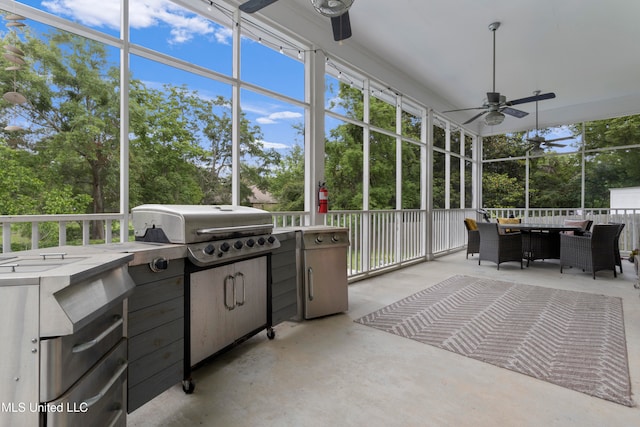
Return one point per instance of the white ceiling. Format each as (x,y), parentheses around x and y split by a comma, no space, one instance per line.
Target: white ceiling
(440,53)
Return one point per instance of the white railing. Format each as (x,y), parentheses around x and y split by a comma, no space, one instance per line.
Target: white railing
(379,240)
(24,232)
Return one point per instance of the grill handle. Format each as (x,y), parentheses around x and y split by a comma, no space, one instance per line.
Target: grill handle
(241,228)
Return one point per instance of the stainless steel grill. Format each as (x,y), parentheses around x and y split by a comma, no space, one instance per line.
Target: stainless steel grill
(214,234)
(227,277)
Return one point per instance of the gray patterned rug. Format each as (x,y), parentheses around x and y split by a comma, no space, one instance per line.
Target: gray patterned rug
(572,339)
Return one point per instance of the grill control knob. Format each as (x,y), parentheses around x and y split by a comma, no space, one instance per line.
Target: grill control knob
(225,247)
(209,249)
(250,243)
(271,239)
(159,264)
(319,238)
(335,238)
(238,244)
(261,241)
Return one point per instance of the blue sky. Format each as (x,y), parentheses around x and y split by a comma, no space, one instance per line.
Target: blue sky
(165,27)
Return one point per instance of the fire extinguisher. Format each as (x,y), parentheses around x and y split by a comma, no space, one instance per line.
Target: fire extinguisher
(323,198)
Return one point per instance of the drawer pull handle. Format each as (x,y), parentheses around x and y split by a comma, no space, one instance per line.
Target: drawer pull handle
(227,280)
(310,276)
(116,420)
(87,345)
(88,403)
(241,276)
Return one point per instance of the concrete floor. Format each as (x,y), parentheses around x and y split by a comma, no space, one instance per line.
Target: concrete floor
(334,372)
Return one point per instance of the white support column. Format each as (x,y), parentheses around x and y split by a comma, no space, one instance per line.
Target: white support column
(398,220)
(476,170)
(124,122)
(398,153)
(463,189)
(526,184)
(447,166)
(427,135)
(424,157)
(314,138)
(583,165)
(236,113)
(366,153)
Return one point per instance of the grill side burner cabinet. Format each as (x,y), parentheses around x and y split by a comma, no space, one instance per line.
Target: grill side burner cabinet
(324,287)
(227,294)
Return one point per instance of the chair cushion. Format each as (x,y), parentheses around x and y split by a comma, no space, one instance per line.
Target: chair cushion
(471,223)
(576,222)
(509,221)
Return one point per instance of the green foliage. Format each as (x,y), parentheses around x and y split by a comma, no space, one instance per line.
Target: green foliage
(180,148)
(18,183)
(287,184)
(503,191)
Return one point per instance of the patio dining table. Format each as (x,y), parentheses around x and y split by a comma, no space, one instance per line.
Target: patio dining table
(542,240)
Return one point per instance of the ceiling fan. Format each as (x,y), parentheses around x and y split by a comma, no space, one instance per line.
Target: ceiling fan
(496,105)
(337,10)
(538,141)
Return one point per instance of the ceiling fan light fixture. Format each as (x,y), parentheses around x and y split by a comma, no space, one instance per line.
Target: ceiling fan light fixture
(494,118)
(332,8)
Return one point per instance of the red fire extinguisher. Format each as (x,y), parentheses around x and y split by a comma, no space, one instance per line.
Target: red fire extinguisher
(323,198)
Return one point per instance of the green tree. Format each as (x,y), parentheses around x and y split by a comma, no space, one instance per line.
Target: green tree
(72,108)
(344,156)
(180,145)
(287,184)
(610,168)
(166,157)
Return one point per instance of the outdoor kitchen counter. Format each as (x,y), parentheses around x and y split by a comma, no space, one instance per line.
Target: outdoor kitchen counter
(143,252)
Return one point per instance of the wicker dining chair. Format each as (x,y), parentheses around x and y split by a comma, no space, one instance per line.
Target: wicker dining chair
(616,244)
(473,236)
(498,247)
(590,253)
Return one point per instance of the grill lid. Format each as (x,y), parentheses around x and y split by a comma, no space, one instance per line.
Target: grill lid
(197,223)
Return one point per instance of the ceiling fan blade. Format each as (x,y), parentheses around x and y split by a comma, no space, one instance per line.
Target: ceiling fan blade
(255,5)
(513,112)
(474,117)
(553,144)
(559,139)
(341,27)
(465,109)
(541,97)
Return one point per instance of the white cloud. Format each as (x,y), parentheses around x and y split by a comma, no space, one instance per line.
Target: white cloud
(274,145)
(184,25)
(276,117)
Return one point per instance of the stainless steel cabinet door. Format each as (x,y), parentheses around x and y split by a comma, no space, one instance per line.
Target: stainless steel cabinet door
(227,303)
(325,282)
(20,360)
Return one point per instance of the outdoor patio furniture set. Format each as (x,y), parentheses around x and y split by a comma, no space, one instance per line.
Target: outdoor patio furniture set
(576,243)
